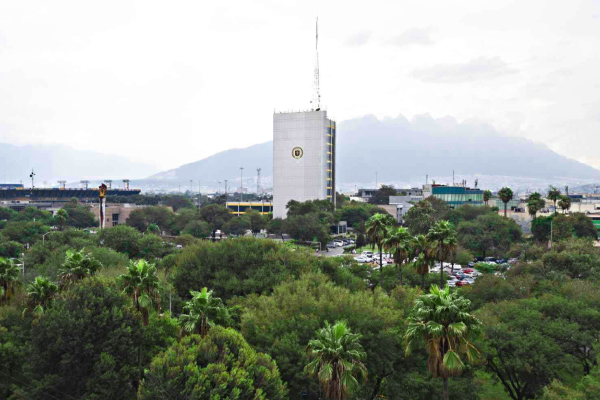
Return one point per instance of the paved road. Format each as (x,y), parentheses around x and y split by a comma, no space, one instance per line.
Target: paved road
(332,252)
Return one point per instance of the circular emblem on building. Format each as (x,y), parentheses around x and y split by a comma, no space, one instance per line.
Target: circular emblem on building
(297,153)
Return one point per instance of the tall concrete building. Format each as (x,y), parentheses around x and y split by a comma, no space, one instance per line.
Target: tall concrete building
(303,158)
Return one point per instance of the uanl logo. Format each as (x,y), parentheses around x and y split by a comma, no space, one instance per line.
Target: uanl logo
(297,153)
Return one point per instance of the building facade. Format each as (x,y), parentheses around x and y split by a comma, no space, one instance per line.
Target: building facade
(237,208)
(303,158)
(454,196)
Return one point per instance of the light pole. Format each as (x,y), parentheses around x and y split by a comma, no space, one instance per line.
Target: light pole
(44,237)
(241,188)
(31,176)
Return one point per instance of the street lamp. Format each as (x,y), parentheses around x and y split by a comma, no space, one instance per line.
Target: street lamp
(44,237)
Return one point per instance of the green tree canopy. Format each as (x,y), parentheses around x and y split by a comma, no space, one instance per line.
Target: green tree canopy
(219,366)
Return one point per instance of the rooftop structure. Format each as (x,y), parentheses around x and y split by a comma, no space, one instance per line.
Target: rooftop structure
(454,196)
(240,208)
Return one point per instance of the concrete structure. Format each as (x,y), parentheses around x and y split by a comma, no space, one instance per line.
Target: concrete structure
(303,158)
(454,196)
(115,214)
(404,203)
(237,208)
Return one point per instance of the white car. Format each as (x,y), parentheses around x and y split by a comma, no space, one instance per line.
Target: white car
(451,283)
(362,259)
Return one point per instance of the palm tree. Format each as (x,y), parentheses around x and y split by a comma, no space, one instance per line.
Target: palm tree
(564,203)
(398,243)
(61,218)
(442,233)
(9,279)
(77,266)
(141,283)
(554,195)
(487,195)
(202,312)
(425,252)
(376,228)
(505,195)
(442,321)
(41,293)
(534,204)
(336,356)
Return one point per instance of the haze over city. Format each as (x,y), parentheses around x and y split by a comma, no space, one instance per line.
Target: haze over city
(168,85)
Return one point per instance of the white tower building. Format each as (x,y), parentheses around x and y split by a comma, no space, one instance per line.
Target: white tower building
(303,158)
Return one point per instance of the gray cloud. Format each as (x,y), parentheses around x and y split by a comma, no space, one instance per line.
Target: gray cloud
(413,36)
(476,69)
(359,39)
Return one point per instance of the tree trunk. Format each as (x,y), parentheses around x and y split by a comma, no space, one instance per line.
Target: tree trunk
(400,273)
(446,395)
(423,281)
(380,265)
(376,388)
(505,209)
(441,274)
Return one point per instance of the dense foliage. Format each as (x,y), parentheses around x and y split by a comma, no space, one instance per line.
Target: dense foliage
(164,306)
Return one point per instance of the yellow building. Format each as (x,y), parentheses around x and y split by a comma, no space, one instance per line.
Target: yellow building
(238,208)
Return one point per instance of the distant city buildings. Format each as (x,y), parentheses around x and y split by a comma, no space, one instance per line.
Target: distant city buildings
(303,158)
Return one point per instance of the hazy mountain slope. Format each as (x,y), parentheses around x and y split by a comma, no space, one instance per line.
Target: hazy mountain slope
(57,162)
(400,150)
(225,165)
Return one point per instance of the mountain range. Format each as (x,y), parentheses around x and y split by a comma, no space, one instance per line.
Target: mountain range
(59,162)
(400,151)
(403,151)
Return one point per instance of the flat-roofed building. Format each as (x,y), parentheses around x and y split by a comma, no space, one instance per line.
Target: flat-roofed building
(303,158)
(241,208)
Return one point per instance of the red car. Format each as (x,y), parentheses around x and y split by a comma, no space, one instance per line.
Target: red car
(468,270)
(462,283)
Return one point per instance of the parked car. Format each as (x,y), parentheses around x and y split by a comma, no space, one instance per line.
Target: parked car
(331,245)
(478,259)
(490,259)
(462,283)
(471,264)
(468,270)
(451,283)
(501,261)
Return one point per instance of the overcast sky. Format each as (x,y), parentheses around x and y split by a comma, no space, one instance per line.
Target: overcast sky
(173,82)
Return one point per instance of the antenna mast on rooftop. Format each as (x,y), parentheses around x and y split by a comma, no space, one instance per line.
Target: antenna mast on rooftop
(317,93)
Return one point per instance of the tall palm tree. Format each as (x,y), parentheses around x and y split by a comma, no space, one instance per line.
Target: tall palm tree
(77,265)
(336,356)
(554,195)
(41,293)
(376,228)
(425,251)
(202,312)
(442,233)
(141,283)
(398,243)
(534,204)
(487,195)
(9,279)
(564,203)
(505,195)
(442,321)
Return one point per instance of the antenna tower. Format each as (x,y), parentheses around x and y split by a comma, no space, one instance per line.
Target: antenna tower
(317,93)
(257,181)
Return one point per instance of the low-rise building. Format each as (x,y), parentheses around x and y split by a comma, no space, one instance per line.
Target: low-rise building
(115,214)
(454,196)
(240,208)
